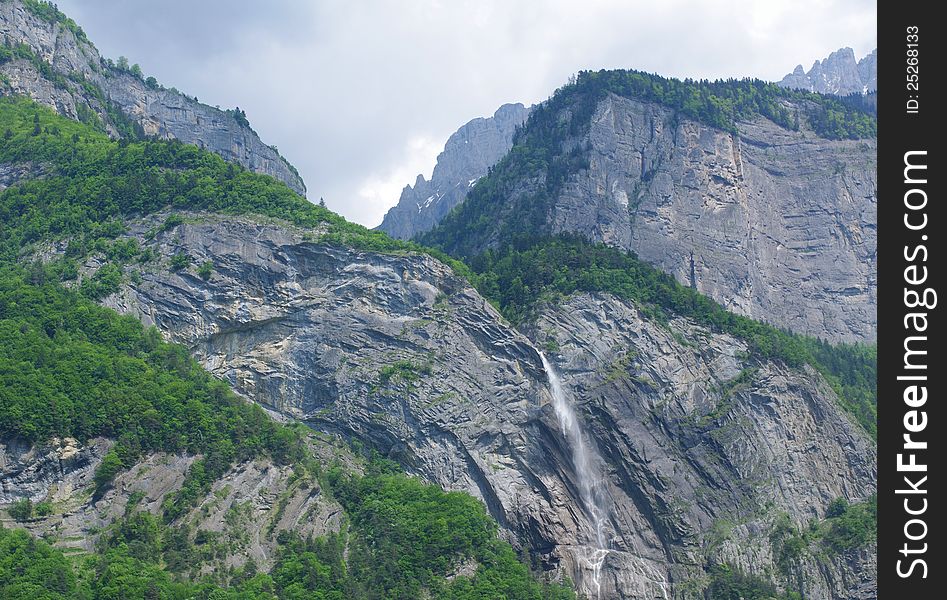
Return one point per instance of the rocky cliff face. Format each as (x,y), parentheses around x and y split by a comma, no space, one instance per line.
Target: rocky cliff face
(467,156)
(689,449)
(838,74)
(66,73)
(774,224)
(398,351)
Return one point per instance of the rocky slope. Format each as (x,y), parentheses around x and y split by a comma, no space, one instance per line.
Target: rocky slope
(66,73)
(690,449)
(398,351)
(241,515)
(838,74)
(467,156)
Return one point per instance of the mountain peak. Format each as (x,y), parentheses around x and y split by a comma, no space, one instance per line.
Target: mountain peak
(838,74)
(467,156)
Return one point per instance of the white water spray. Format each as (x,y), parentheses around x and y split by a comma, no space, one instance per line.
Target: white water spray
(585,461)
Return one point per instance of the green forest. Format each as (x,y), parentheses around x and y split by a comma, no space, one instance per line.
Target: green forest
(69,367)
(723,103)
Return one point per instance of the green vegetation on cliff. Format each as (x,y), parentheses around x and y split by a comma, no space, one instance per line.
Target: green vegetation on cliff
(49,12)
(531,269)
(407,535)
(91,183)
(730,583)
(846,526)
(69,367)
(723,103)
(406,540)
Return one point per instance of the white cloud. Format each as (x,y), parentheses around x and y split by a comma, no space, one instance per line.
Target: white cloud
(344,87)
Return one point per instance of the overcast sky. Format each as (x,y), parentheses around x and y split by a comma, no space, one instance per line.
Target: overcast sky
(361,95)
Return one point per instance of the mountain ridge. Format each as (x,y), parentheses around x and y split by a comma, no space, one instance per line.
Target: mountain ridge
(49,59)
(760,215)
(838,74)
(686,267)
(357,337)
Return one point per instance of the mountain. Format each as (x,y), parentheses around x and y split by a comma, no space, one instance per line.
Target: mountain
(210,387)
(838,74)
(402,354)
(46,56)
(123,453)
(763,199)
(366,340)
(467,156)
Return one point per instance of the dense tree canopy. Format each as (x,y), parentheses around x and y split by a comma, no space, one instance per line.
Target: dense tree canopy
(69,367)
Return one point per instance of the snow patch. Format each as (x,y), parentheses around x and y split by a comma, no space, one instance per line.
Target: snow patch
(427,201)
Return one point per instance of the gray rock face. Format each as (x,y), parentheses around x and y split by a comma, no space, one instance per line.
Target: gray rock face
(467,156)
(685,458)
(161,112)
(12,173)
(868,71)
(838,74)
(774,224)
(50,471)
(398,351)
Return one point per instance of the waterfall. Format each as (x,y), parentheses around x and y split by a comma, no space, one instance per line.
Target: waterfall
(585,461)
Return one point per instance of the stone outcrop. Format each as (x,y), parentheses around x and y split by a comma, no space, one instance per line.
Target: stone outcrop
(398,351)
(467,156)
(51,471)
(78,83)
(838,74)
(12,173)
(691,452)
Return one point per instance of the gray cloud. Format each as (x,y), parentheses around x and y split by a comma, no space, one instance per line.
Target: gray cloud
(361,95)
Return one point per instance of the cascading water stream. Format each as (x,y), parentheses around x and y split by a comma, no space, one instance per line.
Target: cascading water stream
(585,461)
